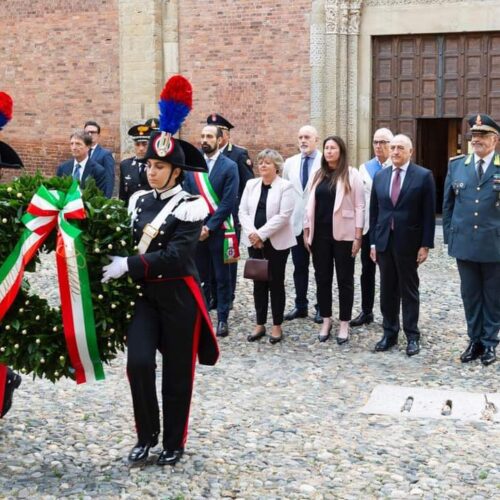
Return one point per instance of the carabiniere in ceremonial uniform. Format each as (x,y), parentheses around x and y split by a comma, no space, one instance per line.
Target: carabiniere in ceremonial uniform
(170,316)
(471,225)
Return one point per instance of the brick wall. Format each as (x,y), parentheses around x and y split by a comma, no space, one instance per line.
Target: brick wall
(59,61)
(249,61)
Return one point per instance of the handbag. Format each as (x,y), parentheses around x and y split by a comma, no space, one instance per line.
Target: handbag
(256,269)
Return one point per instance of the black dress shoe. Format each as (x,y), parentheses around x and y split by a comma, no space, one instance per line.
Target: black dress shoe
(362,319)
(222,329)
(13,381)
(252,337)
(385,343)
(170,457)
(295,313)
(317,318)
(413,347)
(473,351)
(140,452)
(489,356)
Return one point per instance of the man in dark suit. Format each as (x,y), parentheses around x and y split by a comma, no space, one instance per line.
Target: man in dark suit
(402,225)
(81,167)
(471,226)
(133,175)
(101,156)
(223,179)
(245,171)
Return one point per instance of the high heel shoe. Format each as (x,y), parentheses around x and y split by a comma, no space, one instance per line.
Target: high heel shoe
(252,337)
(343,340)
(325,337)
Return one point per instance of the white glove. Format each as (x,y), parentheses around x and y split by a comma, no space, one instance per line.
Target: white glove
(117,268)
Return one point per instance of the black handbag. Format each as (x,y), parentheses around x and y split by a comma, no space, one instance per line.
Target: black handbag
(257,269)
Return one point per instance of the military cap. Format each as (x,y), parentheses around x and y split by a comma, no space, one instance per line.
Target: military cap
(141,132)
(177,152)
(219,121)
(153,123)
(483,124)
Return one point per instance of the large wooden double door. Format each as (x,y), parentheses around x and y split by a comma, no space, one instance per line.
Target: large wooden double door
(426,86)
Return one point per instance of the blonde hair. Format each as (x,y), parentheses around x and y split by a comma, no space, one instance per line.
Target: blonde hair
(272,155)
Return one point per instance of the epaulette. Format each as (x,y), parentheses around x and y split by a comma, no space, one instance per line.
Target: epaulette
(132,201)
(192,209)
(456,157)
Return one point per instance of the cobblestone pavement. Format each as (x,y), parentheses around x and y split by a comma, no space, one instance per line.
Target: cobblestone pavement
(270,421)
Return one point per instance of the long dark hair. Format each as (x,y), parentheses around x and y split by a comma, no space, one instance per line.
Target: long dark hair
(342,170)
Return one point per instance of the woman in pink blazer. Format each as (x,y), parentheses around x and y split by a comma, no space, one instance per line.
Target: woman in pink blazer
(266,228)
(333,230)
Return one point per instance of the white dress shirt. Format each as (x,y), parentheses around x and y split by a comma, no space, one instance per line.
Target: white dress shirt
(82,165)
(486,159)
(211,161)
(402,176)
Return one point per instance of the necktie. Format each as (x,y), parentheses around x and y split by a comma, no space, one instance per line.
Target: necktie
(305,172)
(396,186)
(91,150)
(76,172)
(480,171)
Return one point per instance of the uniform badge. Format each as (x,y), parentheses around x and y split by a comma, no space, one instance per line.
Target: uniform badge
(249,162)
(214,118)
(163,145)
(142,129)
(478,120)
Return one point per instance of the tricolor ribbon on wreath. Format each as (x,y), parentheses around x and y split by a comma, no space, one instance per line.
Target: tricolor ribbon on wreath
(48,209)
(231,250)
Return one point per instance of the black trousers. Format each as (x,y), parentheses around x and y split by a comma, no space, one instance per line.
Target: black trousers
(368,268)
(300,258)
(325,253)
(480,287)
(275,287)
(165,320)
(399,285)
(210,262)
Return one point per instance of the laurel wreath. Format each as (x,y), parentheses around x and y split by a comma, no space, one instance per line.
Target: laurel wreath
(31,333)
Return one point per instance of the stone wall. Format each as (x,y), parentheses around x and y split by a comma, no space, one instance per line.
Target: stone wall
(249,61)
(60,64)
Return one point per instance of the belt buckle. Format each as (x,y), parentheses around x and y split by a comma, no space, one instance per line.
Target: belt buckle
(150,231)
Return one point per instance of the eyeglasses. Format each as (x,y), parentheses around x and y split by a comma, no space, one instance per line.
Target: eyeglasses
(380,143)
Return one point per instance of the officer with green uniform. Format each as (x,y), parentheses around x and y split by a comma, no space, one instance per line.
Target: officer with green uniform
(471,225)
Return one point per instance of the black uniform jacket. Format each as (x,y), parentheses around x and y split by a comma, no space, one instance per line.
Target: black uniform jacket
(170,256)
(130,179)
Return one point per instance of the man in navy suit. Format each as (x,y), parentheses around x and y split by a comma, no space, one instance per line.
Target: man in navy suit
(224,180)
(101,156)
(402,225)
(245,172)
(81,167)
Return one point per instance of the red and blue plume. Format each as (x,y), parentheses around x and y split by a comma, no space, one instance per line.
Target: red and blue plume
(5,109)
(176,101)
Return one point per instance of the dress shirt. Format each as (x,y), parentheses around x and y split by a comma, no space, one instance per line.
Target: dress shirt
(402,175)
(311,157)
(82,165)
(487,160)
(211,161)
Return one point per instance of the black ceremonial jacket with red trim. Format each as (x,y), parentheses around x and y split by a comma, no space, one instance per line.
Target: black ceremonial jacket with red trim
(171,256)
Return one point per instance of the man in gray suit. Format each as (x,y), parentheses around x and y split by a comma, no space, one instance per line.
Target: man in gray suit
(471,225)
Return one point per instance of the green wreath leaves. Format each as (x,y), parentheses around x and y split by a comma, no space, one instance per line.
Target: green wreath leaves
(31,333)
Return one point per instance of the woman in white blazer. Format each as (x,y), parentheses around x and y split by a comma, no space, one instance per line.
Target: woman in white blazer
(266,228)
(333,229)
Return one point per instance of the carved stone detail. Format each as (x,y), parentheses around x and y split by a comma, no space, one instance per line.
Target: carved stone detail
(394,3)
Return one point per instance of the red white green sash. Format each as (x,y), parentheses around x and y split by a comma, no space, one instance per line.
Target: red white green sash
(47,210)
(231,251)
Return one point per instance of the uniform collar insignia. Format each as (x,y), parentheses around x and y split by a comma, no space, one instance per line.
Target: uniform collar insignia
(496,161)
(468,160)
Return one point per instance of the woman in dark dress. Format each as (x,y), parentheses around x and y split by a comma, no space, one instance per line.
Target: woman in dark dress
(170,316)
